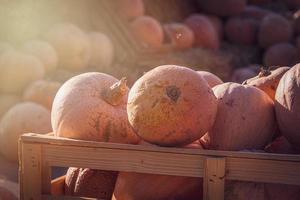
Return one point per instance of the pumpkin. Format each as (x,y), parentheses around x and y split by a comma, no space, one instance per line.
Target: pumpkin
(181,36)
(166,106)
(43,51)
(131,186)
(218,25)
(92,106)
(130,9)
(102,50)
(18,70)
(274,29)
(245,118)
(148,31)
(210,78)
(22,118)
(222,8)
(206,35)
(42,92)
(280,145)
(90,183)
(6,102)
(281,54)
(241,74)
(71,44)
(267,80)
(287,105)
(241,31)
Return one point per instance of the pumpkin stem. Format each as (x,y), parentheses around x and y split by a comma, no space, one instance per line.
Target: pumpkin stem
(173,92)
(264,71)
(114,95)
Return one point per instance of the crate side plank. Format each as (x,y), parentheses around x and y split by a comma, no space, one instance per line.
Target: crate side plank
(48,139)
(51,197)
(30,174)
(214,178)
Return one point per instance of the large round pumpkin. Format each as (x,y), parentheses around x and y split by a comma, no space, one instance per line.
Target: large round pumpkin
(22,118)
(210,78)
(92,106)
(71,44)
(102,50)
(287,105)
(7,101)
(245,118)
(267,80)
(42,92)
(43,51)
(90,183)
(18,70)
(171,105)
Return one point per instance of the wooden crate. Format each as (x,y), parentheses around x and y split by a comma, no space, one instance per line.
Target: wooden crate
(39,152)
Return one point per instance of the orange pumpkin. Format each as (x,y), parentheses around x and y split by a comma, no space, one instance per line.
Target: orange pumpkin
(92,106)
(287,105)
(210,78)
(166,106)
(245,118)
(6,102)
(267,80)
(22,118)
(42,92)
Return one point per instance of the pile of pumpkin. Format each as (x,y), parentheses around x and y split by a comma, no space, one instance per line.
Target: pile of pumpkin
(175,106)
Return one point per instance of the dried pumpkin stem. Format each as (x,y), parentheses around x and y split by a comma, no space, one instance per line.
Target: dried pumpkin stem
(114,95)
(264,71)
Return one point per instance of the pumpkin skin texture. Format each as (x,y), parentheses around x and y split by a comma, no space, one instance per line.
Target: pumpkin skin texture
(42,92)
(7,101)
(274,29)
(206,35)
(182,37)
(287,105)
(90,183)
(18,70)
(43,51)
(71,44)
(102,50)
(16,122)
(83,109)
(210,78)
(131,186)
(245,118)
(148,31)
(166,106)
(268,80)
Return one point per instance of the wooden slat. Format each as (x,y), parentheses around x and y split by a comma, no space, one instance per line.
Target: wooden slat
(30,176)
(46,139)
(214,178)
(46,177)
(49,197)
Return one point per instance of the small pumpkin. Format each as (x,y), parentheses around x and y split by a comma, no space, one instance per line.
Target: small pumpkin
(210,78)
(16,122)
(92,106)
(245,118)
(166,106)
(206,35)
(90,183)
(42,92)
(148,31)
(43,51)
(71,44)
(18,70)
(267,80)
(102,50)
(287,105)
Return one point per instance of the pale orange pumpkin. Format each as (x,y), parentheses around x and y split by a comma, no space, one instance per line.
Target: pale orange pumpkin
(7,101)
(171,105)
(92,106)
(42,92)
(210,78)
